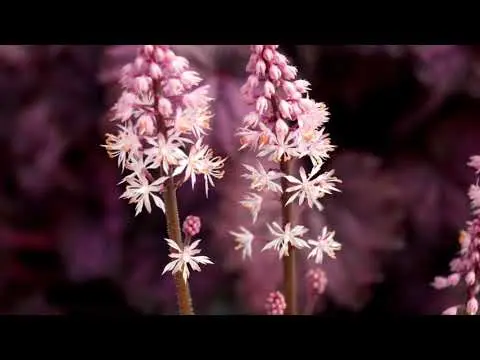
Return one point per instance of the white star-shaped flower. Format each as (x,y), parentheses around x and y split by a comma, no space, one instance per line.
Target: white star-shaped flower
(286,237)
(262,179)
(139,190)
(311,188)
(324,244)
(252,202)
(244,242)
(184,257)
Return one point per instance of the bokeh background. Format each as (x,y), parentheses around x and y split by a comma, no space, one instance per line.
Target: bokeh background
(404,118)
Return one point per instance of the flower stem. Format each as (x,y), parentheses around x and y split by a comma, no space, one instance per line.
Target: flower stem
(289,271)
(184,298)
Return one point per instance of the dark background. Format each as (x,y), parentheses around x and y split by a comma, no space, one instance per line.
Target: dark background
(404,118)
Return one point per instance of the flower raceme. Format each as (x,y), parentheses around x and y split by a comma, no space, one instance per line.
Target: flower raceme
(465,267)
(162,117)
(285,124)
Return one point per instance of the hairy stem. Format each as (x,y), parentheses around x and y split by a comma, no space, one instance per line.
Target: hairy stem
(184,298)
(289,271)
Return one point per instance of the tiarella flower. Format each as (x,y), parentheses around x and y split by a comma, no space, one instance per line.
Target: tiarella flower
(281,147)
(139,190)
(262,179)
(311,188)
(194,120)
(124,145)
(182,258)
(244,242)
(163,115)
(324,244)
(165,153)
(201,161)
(253,203)
(286,237)
(211,167)
(316,145)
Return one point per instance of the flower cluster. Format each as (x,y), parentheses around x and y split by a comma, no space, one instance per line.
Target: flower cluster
(466,266)
(162,117)
(186,255)
(286,124)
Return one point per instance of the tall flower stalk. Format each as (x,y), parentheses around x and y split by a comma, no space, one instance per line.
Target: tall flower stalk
(465,267)
(286,125)
(162,117)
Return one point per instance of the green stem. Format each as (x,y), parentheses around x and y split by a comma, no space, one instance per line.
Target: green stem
(184,298)
(289,270)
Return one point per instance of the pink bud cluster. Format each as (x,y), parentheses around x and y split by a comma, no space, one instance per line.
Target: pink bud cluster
(162,116)
(466,266)
(316,281)
(275,303)
(191,225)
(272,85)
(158,82)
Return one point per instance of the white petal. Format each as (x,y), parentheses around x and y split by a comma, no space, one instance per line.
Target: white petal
(173,244)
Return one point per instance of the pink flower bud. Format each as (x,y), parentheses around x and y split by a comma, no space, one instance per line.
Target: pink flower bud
(472,306)
(165,107)
(453,279)
(295,109)
(140,64)
(316,281)
(251,119)
(274,73)
(289,88)
(306,104)
(451,311)
(178,64)
(145,124)
(252,61)
(190,78)
(142,83)
(269,89)
(470,278)
(159,54)
(257,49)
(296,95)
(281,128)
(302,85)
(169,55)
(155,71)
(173,87)
(148,50)
(290,72)
(440,282)
(284,108)
(281,60)
(192,225)
(476,257)
(260,68)
(262,105)
(268,54)
(275,304)
(252,82)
